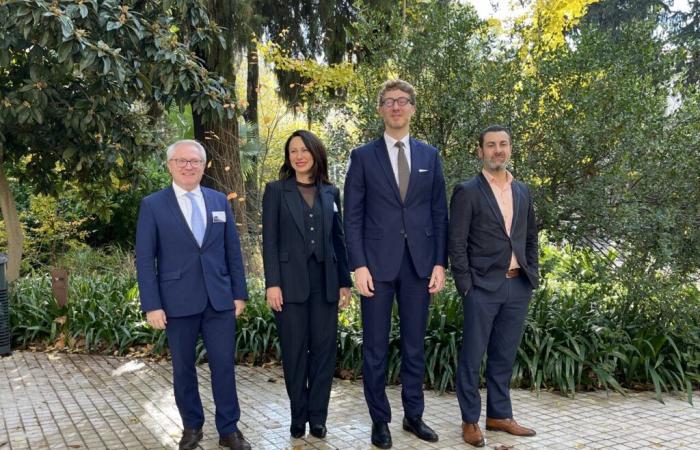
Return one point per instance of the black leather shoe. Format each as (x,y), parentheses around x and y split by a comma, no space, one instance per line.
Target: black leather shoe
(318,431)
(416,426)
(190,438)
(380,435)
(297,431)
(234,441)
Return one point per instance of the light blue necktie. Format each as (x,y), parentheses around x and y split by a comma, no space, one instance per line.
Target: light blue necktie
(196,220)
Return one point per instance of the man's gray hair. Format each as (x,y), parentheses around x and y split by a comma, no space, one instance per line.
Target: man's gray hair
(192,142)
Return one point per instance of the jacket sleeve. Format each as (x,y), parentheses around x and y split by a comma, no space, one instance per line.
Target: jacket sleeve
(439,214)
(460,223)
(354,198)
(146,251)
(234,258)
(339,243)
(270,231)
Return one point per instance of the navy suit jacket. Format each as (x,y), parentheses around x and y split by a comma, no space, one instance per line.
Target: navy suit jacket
(480,248)
(378,223)
(284,253)
(174,273)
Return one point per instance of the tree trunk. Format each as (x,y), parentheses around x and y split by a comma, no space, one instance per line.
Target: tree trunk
(223,171)
(253,84)
(250,115)
(15,238)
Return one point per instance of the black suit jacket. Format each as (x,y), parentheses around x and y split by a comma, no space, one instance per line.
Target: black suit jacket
(284,253)
(479,247)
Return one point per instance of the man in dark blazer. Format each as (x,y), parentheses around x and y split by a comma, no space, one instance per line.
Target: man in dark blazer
(493,251)
(396,235)
(191,282)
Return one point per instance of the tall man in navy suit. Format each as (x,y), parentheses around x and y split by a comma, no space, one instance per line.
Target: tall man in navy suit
(493,251)
(192,282)
(396,235)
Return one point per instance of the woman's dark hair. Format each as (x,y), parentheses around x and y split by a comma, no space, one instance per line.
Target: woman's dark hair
(318,152)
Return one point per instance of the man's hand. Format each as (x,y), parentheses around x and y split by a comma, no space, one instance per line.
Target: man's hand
(363,281)
(239,305)
(156,319)
(437,280)
(344,297)
(274,298)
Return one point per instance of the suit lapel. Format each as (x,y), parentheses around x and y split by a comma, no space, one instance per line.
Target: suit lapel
(491,200)
(516,205)
(327,206)
(383,158)
(293,199)
(177,213)
(416,163)
(208,205)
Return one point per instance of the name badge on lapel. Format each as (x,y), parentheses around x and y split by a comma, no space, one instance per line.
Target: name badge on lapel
(218,216)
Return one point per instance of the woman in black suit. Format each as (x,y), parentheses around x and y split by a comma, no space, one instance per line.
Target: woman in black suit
(306,276)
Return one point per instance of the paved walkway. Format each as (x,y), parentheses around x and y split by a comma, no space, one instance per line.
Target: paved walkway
(94,402)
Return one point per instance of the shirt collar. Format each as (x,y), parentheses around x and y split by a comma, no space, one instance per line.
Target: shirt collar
(179,192)
(492,180)
(391,142)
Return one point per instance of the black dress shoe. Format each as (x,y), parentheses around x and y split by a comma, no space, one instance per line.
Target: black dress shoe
(190,438)
(234,441)
(380,435)
(297,431)
(318,431)
(416,426)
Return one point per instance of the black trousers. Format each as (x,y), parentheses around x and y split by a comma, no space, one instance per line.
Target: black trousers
(307,334)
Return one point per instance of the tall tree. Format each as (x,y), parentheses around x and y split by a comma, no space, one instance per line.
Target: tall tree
(305,29)
(81,85)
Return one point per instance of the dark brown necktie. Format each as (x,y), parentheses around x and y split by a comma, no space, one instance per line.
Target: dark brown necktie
(404,171)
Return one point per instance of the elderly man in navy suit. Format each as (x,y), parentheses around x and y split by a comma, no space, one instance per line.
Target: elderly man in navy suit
(396,235)
(191,281)
(493,251)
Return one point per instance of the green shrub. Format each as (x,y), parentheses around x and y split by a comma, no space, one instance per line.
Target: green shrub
(586,328)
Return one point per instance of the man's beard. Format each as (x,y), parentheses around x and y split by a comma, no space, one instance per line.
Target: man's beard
(497,165)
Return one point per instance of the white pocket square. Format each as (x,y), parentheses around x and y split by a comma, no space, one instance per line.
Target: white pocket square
(335,207)
(218,216)
(422,170)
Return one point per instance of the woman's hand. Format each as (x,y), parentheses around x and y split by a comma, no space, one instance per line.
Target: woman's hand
(345,297)
(274,298)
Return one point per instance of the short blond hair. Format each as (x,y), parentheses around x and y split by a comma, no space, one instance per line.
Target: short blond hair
(396,84)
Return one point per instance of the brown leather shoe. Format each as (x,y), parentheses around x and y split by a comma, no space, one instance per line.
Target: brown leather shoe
(510,426)
(472,435)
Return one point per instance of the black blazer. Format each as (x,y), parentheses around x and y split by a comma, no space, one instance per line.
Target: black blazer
(284,253)
(478,245)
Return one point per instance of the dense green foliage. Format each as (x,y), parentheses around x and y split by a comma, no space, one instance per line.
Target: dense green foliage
(81,84)
(584,330)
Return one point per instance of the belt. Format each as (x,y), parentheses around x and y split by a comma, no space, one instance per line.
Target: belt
(512,273)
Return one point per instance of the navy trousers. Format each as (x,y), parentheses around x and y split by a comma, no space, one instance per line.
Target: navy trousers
(413,299)
(493,322)
(218,330)
(308,334)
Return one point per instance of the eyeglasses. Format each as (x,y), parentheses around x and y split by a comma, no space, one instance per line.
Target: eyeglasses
(402,101)
(195,163)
